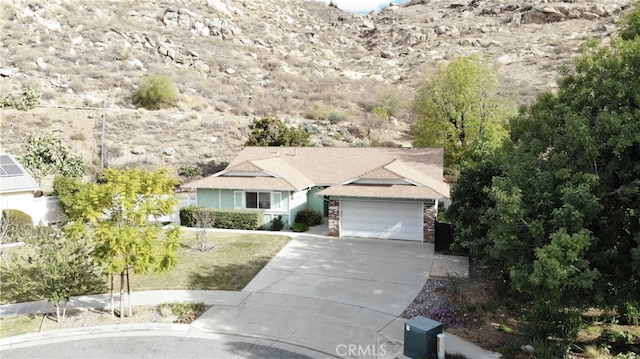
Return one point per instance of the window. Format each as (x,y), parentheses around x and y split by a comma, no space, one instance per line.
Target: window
(261,200)
(276,198)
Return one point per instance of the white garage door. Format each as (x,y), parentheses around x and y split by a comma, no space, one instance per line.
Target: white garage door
(397,220)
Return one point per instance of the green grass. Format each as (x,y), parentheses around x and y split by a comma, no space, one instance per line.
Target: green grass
(22,324)
(229,263)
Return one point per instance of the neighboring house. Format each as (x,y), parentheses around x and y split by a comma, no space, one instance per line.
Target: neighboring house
(378,192)
(17,187)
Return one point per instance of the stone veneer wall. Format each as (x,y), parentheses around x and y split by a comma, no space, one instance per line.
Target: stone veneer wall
(430,212)
(334,218)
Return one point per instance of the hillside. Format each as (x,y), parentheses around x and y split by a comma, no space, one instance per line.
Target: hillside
(231,61)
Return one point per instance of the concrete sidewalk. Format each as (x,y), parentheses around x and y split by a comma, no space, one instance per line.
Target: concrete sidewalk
(330,297)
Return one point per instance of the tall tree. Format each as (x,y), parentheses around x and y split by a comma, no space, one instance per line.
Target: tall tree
(563,215)
(460,109)
(119,208)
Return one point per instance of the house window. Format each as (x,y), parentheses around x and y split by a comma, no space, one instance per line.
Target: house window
(276,198)
(260,200)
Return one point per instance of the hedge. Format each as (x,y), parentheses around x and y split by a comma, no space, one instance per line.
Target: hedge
(223,218)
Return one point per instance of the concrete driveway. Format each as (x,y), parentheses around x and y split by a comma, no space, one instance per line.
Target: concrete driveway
(339,296)
(319,297)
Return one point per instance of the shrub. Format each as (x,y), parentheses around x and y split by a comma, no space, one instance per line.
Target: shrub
(632,312)
(324,112)
(14,223)
(30,98)
(155,91)
(277,224)
(299,227)
(269,131)
(309,217)
(47,155)
(189,171)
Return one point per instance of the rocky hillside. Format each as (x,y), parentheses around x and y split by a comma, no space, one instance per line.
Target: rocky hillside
(234,60)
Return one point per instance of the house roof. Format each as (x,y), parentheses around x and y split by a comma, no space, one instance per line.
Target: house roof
(13,177)
(416,172)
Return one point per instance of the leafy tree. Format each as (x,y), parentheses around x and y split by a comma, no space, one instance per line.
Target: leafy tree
(471,201)
(119,209)
(55,268)
(629,24)
(155,91)
(47,155)
(562,216)
(269,131)
(459,109)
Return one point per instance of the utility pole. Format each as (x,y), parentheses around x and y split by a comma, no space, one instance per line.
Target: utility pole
(103,156)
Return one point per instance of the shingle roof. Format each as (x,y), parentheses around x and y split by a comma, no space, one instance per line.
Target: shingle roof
(295,168)
(13,177)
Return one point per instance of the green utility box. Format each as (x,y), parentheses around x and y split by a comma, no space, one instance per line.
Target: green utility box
(421,337)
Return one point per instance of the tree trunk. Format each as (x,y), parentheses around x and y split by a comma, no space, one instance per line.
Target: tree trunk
(64,311)
(128,292)
(112,305)
(57,312)
(121,293)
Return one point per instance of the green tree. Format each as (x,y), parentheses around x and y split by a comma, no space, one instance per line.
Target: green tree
(155,92)
(471,202)
(629,24)
(269,131)
(47,155)
(460,109)
(119,209)
(562,216)
(55,268)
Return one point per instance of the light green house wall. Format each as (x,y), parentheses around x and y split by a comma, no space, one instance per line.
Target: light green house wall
(315,202)
(208,198)
(224,198)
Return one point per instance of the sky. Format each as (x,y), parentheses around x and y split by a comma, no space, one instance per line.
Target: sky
(363,6)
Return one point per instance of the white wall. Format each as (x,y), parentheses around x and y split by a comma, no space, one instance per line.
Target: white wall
(43,210)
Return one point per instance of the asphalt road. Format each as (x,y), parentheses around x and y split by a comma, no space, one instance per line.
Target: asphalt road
(152,347)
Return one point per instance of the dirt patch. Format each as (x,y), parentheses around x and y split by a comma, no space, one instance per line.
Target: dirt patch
(99,317)
(471,308)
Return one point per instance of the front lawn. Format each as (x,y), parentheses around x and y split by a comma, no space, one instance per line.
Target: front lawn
(229,262)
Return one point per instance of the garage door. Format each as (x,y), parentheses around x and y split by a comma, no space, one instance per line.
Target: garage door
(397,220)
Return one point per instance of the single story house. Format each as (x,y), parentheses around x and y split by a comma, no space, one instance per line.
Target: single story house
(378,192)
